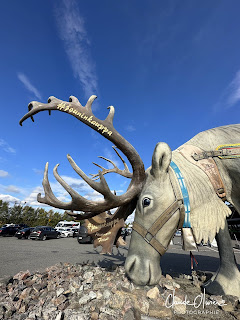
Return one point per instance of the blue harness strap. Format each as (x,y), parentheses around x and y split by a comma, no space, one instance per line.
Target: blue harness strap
(185,195)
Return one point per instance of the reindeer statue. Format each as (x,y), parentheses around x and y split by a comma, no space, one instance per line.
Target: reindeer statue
(184,189)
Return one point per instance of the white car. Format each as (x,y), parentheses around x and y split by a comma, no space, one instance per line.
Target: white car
(66,232)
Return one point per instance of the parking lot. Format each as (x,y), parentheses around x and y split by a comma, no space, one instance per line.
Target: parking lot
(20,255)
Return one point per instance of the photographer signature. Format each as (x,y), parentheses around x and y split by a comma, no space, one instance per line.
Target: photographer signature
(199,301)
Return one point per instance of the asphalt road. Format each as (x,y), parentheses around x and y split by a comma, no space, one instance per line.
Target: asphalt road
(21,255)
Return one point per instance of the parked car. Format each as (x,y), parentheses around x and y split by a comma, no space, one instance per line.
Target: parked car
(8,231)
(44,232)
(22,225)
(66,232)
(124,233)
(24,233)
(75,232)
(83,236)
(68,224)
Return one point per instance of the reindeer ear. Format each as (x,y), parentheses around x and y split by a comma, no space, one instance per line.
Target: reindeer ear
(161,159)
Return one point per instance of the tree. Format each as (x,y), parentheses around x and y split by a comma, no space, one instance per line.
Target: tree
(4,212)
(28,215)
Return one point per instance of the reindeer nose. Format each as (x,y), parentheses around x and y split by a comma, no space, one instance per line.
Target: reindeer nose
(137,270)
(142,271)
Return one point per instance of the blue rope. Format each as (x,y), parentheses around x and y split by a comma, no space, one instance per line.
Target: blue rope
(183,187)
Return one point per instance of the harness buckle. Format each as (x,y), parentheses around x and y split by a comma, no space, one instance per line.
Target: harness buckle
(148,237)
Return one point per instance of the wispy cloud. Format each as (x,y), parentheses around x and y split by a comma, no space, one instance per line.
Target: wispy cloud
(234,91)
(77,45)
(5,146)
(130,128)
(31,199)
(231,95)
(38,171)
(12,189)
(3,174)
(8,198)
(28,85)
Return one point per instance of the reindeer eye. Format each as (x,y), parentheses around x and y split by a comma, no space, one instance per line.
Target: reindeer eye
(146,202)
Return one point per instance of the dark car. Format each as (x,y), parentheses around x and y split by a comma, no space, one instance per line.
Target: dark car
(83,236)
(22,225)
(75,232)
(8,231)
(44,232)
(24,233)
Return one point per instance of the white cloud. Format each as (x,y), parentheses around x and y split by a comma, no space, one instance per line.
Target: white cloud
(8,198)
(31,199)
(130,128)
(234,91)
(130,218)
(231,95)
(28,85)
(5,146)
(77,45)
(3,174)
(77,184)
(12,189)
(38,171)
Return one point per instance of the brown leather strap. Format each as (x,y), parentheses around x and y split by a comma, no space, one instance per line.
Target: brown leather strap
(164,217)
(149,238)
(225,152)
(158,246)
(208,166)
(149,234)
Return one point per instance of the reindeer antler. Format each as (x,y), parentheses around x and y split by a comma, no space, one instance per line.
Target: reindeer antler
(105,128)
(125,173)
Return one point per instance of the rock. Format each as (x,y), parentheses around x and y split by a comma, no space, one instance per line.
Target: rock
(59,316)
(25,293)
(92,295)
(228,307)
(132,314)
(179,307)
(58,300)
(106,294)
(67,293)
(217,300)
(63,305)
(88,275)
(94,315)
(231,299)
(70,314)
(236,314)
(87,297)
(160,312)
(108,311)
(86,292)
(59,291)
(153,293)
(22,275)
(169,286)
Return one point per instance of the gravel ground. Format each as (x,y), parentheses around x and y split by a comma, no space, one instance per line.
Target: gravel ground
(74,282)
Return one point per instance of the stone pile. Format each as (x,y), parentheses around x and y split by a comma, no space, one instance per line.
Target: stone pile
(88,292)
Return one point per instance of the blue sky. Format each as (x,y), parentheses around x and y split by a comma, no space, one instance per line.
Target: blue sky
(170,68)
